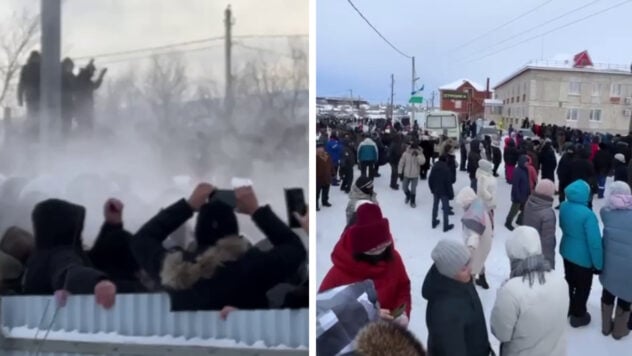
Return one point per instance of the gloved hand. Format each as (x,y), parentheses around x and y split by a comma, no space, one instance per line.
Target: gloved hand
(401,176)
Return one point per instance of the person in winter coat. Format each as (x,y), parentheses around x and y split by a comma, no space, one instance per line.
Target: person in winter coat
(620,168)
(225,269)
(115,241)
(85,89)
(520,320)
(347,161)
(463,150)
(520,190)
(395,151)
(381,338)
(511,158)
(539,214)
(497,157)
(409,166)
(564,171)
(335,149)
(368,157)
(487,186)
(428,149)
(29,87)
(617,253)
(59,262)
(365,251)
(440,182)
(472,162)
(68,95)
(361,190)
(454,314)
(581,248)
(477,232)
(533,174)
(582,168)
(602,163)
(16,247)
(324,169)
(548,161)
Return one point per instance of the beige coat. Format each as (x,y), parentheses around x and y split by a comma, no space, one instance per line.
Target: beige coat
(486,189)
(410,165)
(479,245)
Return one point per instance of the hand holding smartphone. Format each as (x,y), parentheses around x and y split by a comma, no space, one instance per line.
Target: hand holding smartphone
(295,202)
(399,311)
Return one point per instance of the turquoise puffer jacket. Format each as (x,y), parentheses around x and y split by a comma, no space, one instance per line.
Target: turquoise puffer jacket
(581,236)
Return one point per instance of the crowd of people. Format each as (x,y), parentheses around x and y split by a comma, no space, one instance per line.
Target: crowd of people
(77,93)
(454,316)
(221,270)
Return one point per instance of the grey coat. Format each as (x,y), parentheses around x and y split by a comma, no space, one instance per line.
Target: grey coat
(539,214)
(617,251)
(354,196)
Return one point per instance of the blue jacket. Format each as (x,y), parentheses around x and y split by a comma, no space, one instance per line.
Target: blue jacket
(334,148)
(520,182)
(367,151)
(581,238)
(617,250)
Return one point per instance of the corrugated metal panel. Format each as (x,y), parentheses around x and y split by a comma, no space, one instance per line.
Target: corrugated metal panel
(144,315)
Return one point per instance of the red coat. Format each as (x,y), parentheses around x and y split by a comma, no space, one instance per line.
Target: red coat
(390,278)
(594,148)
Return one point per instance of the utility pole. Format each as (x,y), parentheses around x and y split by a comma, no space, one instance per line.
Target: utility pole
(50,72)
(432,99)
(392,94)
(414,80)
(228,96)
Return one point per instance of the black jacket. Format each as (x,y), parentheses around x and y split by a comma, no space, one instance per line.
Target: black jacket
(58,261)
(602,162)
(230,272)
(440,180)
(347,159)
(511,154)
(395,151)
(564,170)
(582,168)
(454,317)
(497,156)
(620,172)
(548,163)
(473,158)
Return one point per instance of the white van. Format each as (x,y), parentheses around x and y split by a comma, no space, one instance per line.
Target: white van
(443,122)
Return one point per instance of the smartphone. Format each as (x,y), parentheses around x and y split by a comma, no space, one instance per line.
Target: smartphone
(399,311)
(295,202)
(226,196)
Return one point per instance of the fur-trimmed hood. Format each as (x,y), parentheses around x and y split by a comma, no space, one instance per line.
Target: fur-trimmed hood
(180,273)
(387,338)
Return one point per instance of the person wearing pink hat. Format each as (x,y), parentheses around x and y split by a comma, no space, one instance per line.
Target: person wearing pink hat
(366,251)
(539,214)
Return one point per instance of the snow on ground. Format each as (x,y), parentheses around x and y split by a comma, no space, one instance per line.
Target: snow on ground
(414,239)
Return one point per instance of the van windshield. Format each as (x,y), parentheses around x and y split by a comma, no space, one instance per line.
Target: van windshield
(441,122)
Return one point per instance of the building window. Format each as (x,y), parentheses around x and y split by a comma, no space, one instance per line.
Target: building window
(508,111)
(518,99)
(457,104)
(574,88)
(512,99)
(595,115)
(615,91)
(524,97)
(572,114)
(596,91)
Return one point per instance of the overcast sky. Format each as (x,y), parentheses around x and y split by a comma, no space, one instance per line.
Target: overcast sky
(439,33)
(101,26)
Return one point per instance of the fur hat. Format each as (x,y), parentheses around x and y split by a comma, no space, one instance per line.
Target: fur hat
(215,220)
(371,229)
(387,338)
(620,157)
(450,257)
(524,242)
(545,187)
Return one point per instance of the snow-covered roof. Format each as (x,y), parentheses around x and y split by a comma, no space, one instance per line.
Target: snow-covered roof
(493,101)
(455,85)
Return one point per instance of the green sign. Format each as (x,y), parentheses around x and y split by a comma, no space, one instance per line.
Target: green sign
(416,100)
(453,95)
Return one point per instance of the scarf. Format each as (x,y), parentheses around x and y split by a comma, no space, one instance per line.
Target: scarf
(529,267)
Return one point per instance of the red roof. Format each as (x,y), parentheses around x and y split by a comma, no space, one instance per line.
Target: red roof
(582,60)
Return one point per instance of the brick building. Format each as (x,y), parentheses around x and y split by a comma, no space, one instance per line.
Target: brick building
(465,97)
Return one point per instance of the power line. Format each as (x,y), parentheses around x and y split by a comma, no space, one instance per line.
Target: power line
(264,50)
(550,31)
(544,23)
(378,32)
(163,53)
(500,26)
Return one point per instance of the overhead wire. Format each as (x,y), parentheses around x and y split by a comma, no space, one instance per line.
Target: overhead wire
(377,31)
(549,31)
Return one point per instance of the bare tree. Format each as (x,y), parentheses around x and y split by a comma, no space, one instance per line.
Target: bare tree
(165,86)
(17,37)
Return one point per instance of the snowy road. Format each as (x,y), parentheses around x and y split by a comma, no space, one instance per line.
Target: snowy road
(415,238)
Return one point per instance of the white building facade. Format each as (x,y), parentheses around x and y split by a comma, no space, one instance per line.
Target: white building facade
(595,98)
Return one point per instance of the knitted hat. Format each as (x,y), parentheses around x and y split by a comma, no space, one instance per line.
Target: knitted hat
(371,229)
(545,187)
(364,184)
(620,157)
(215,220)
(524,242)
(450,257)
(485,166)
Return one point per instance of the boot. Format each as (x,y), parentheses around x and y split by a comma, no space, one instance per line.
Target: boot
(579,321)
(412,200)
(326,204)
(620,320)
(606,319)
(407,197)
(435,223)
(481,281)
(509,226)
(447,227)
